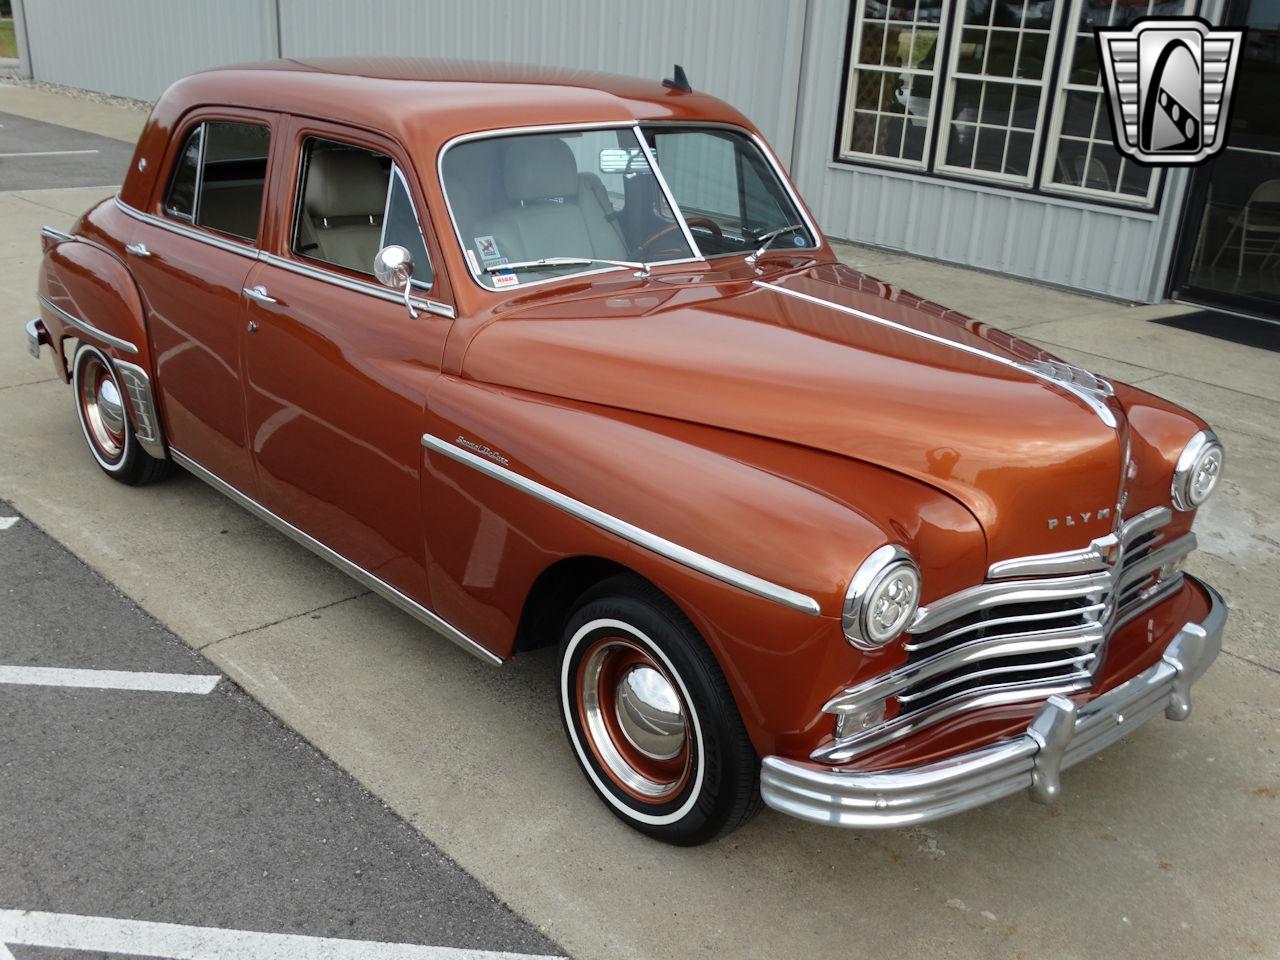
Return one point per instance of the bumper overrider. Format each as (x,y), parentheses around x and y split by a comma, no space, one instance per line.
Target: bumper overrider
(1060,735)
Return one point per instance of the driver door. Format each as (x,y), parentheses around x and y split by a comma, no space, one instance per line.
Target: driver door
(337,371)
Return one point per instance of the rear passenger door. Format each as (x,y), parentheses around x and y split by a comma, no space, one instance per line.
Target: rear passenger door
(192,253)
(337,370)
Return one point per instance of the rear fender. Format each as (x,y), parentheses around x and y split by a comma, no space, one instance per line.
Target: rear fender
(87,294)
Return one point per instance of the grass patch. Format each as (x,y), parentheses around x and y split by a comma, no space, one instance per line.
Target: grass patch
(8,46)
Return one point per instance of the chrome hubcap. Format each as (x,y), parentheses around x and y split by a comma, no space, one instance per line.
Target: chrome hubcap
(103,408)
(649,713)
(636,720)
(109,406)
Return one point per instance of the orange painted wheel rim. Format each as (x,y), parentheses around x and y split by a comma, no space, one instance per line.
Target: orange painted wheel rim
(635,720)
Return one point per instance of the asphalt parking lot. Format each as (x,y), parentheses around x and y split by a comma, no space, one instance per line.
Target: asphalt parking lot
(35,155)
(140,788)
(1166,845)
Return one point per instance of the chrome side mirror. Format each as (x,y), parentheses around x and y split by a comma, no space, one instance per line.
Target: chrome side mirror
(393,266)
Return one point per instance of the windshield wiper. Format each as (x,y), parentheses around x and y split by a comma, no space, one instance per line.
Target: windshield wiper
(642,269)
(771,236)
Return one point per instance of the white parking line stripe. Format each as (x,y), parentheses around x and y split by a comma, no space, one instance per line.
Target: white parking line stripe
(146,939)
(49,153)
(4,951)
(109,680)
(5,524)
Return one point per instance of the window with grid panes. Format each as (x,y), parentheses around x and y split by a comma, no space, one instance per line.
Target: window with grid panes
(1081,157)
(890,93)
(1001,54)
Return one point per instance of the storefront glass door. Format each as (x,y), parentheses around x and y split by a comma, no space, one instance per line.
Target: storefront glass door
(1229,255)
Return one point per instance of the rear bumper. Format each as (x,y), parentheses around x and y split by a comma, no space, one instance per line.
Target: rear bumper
(37,336)
(1060,735)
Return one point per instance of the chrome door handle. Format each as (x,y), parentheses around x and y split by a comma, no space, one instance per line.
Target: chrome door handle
(137,249)
(259,293)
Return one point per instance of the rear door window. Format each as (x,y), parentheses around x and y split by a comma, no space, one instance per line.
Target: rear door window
(220,177)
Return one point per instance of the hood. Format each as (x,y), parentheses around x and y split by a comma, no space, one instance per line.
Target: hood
(832,359)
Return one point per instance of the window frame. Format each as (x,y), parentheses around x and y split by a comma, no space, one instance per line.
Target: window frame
(853,43)
(1039,185)
(953,77)
(301,140)
(177,147)
(187,218)
(1053,142)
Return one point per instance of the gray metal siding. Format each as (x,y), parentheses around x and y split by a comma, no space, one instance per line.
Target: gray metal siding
(137,49)
(745,51)
(1116,252)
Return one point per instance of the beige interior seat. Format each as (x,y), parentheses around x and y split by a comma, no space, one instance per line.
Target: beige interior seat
(346,192)
(550,210)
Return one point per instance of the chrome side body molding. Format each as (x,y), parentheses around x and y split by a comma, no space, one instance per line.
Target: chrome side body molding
(1094,399)
(358,573)
(1060,736)
(55,234)
(87,328)
(650,541)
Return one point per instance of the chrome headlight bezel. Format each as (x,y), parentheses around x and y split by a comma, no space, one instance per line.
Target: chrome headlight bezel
(885,566)
(1201,450)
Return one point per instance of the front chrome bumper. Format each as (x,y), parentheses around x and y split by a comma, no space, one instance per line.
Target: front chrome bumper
(1060,736)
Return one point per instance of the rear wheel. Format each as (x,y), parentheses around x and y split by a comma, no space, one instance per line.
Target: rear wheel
(100,404)
(651,719)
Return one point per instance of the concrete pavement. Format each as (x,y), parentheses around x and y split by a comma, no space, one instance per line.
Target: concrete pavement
(1166,845)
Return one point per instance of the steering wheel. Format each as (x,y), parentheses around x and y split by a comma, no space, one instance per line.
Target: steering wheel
(673,227)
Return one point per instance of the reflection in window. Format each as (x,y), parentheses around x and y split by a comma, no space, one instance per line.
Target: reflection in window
(1082,157)
(999,64)
(889,100)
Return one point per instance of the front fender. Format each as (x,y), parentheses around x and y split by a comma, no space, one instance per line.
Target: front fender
(754,505)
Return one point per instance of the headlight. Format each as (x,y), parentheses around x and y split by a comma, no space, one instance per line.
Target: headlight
(882,598)
(1197,472)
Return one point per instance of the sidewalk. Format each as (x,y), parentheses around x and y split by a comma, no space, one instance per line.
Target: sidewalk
(1164,846)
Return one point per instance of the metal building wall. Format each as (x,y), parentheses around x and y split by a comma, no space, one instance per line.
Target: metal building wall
(138,48)
(745,51)
(1114,252)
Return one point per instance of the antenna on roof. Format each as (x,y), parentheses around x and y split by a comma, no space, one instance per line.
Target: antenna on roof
(679,82)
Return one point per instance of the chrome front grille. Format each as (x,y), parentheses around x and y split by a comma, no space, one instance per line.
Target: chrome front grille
(1037,627)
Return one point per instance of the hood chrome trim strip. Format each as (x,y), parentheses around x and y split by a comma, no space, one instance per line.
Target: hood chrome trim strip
(643,538)
(1103,412)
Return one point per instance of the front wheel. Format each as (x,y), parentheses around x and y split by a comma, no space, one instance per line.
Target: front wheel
(651,719)
(100,404)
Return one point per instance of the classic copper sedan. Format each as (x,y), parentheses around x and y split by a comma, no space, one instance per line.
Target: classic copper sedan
(562,359)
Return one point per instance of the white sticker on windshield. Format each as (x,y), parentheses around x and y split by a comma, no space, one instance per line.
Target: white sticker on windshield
(488,248)
(505,278)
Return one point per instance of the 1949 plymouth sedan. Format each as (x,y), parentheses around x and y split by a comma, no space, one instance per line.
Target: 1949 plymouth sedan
(552,358)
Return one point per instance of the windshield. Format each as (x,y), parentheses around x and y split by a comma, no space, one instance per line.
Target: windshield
(587,200)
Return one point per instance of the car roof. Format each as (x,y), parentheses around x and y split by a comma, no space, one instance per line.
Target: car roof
(422,103)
